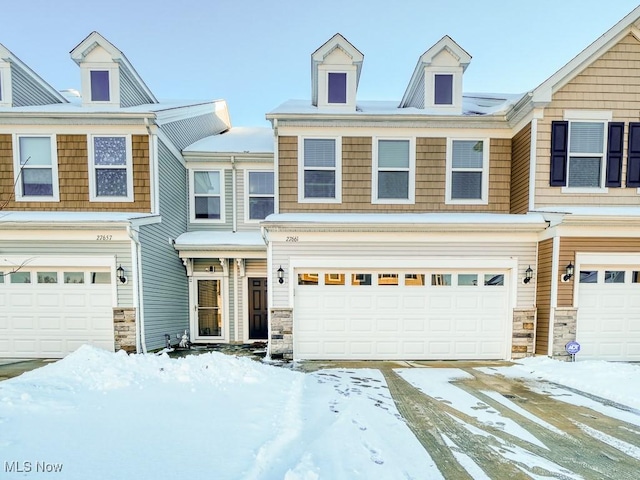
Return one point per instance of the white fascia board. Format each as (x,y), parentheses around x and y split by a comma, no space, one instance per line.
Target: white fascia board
(57,261)
(618,258)
(174,114)
(395,263)
(459,131)
(625,26)
(204,252)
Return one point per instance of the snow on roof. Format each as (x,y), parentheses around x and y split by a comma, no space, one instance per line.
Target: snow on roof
(408,218)
(203,239)
(8,216)
(75,107)
(236,140)
(473,104)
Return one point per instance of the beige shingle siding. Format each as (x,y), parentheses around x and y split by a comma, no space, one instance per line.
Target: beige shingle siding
(610,83)
(73,177)
(520,153)
(430,178)
(543,295)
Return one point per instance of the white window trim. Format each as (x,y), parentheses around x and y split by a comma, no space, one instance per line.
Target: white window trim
(595,116)
(412,173)
(92,170)
(247,194)
(430,89)
(484,200)
(192,196)
(338,170)
(114,83)
(17,170)
(323,86)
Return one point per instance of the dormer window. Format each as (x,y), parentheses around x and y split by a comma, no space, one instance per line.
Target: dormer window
(443,89)
(337,83)
(100,86)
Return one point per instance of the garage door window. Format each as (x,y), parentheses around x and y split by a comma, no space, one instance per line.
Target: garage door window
(387,279)
(21,277)
(635,277)
(492,279)
(73,277)
(441,279)
(614,276)
(307,279)
(334,278)
(413,279)
(361,279)
(47,277)
(100,277)
(1,277)
(468,280)
(588,276)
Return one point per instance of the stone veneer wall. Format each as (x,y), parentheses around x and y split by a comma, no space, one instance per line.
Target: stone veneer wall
(523,338)
(281,340)
(124,329)
(564,331)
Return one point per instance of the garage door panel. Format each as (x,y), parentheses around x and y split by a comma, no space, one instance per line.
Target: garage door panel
(396,321)
(48,300)
(608,325)
(23,323)
(74,300)
(21,299)
(49,323)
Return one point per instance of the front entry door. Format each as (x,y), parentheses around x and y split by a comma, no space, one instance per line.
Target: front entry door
(209,308)
(258,308)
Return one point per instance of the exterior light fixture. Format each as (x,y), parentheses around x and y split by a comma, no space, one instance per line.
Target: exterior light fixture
(120,274)
(569,270)
(528,275)
(280,275)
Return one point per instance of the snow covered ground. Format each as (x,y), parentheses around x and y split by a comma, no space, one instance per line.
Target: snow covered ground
(99,415)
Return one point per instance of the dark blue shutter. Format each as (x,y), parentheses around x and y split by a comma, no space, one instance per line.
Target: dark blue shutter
(559,137)
(614,154)
(633,159)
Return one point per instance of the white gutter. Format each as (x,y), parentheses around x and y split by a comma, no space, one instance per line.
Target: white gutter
(136,274)
(234,194)
(276,170)
(154,173)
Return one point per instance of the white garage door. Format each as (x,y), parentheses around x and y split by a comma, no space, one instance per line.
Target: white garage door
(608,325)
(400,315)
(48,313)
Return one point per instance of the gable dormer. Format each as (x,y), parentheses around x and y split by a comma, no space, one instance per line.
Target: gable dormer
(20,86)
(335,73)
(107,77)
(436,83)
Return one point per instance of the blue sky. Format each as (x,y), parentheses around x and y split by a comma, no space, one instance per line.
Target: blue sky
(256,54)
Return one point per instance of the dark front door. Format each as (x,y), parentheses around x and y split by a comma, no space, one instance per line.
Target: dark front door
(258,308)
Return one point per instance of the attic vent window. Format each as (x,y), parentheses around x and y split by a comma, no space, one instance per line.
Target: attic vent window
(100,86)
(337,87)
(443,90)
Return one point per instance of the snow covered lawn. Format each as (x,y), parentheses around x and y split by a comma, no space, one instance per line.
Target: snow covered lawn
(103,416)
(99,415)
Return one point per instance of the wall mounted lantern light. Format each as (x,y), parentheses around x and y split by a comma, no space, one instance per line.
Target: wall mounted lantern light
(528,275)
(120,274)
(569,271)
(280,275)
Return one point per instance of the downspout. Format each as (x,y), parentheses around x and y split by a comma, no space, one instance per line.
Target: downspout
(154,173)
(234,193)
(136,265)
(533,160)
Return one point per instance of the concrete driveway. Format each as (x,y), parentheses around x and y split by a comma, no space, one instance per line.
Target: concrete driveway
(581,443)
(13,367)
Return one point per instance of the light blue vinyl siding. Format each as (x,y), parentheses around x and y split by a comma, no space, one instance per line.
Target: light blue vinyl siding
(185,132)
(131,94)
(121,251)
(164,279)
(26,91)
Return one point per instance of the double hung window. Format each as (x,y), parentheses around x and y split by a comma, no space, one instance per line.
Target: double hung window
(207,202)
(111,176)
(260,195)
(586,154)
(36,168)
(394,171)
(319,170)
(467,171)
